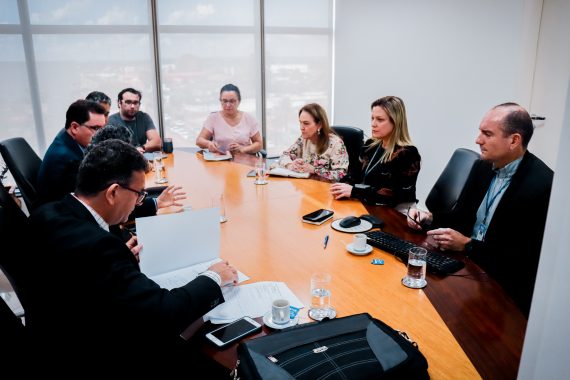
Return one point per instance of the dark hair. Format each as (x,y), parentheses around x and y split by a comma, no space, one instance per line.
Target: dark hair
(109,162)
(231,87)
(517,120)
(319,115)
(110,131)
(99,97)
(79,111)
(131,90)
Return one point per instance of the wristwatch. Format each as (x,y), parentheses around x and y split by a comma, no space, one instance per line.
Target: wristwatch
(469,246)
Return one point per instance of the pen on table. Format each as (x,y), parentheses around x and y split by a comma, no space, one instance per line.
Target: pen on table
(326,242)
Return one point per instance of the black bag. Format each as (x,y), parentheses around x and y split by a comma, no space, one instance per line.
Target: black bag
(353,347)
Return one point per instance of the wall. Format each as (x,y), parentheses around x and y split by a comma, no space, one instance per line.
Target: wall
(551,76)
(450,61)
(546,346)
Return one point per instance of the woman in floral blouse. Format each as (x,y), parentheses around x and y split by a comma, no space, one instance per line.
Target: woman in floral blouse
(319,150)
(390,163)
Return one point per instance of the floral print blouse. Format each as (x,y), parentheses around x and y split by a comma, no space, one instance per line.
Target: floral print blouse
(331,165)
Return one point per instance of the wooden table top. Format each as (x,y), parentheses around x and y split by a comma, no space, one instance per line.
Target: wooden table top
(265,239)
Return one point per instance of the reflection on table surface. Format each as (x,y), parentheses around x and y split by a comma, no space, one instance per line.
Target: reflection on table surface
(265,239)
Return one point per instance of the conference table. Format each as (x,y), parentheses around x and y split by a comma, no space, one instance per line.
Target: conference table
(464,324)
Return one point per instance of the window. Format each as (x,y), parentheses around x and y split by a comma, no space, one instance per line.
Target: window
(58,51)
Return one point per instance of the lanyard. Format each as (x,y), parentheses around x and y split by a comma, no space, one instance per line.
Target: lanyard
(370,168)
(490,200)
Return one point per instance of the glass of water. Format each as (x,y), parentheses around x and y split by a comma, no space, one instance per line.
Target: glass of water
(159,170)
(416,276)
(321,297)
(260,173)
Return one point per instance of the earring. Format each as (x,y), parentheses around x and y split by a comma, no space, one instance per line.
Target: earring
(318,131)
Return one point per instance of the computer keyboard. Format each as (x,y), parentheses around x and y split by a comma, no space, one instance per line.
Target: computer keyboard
(436,262)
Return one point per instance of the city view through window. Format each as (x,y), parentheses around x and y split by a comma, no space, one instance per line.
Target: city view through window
(57,51)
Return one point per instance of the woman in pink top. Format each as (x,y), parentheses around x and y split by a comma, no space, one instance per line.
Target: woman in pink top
(230,129)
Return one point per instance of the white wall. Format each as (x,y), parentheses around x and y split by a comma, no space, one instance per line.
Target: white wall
(450,61)
(547,343)
(551,76)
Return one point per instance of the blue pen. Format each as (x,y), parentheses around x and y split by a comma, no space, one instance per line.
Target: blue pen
(326,241)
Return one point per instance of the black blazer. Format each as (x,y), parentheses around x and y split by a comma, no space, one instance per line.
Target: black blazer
(89,299)
(511,249)
(58,172)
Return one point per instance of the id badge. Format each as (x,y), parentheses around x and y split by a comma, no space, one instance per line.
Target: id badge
(481,230)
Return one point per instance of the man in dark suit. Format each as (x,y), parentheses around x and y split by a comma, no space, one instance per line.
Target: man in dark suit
(499,221)
(59,166)
(85,288)
(58,172)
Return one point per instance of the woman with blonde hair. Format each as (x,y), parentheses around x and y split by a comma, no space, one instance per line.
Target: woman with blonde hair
(390,163)
(318,150)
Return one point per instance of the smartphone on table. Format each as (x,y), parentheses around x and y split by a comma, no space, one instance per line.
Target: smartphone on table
(318,217)
(234,331)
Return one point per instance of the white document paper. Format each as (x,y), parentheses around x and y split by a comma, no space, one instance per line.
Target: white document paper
(209,156)
(253,300)
(181,277)
(282,172)
(180,240)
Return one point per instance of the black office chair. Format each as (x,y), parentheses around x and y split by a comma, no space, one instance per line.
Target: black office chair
(12,228)
(353,139)
(13,333)
(24,164)
(449,186)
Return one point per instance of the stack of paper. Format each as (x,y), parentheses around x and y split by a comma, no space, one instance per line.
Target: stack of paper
(253,300)
(209,156)
(282,172)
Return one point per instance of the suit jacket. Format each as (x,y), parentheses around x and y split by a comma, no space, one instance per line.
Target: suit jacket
(511,249)
(58,172)
(87,294)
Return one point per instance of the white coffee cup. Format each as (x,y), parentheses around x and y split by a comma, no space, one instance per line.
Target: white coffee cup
(280,311)
(359,242)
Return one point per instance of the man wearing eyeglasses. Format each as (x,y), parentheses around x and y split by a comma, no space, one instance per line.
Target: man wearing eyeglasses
(119,318)
(61,161)
(145,136)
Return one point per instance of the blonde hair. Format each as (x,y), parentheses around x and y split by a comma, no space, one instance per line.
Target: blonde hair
(396,111)
(319,115)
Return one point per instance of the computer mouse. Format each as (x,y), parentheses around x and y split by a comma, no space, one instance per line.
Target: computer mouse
(349,221)
(374,220)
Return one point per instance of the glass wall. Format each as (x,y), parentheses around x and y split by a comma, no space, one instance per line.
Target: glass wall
(57,51)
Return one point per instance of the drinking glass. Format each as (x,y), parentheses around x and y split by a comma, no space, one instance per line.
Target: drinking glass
(159,170)
(218,201)
(260,173)
(321,297)
(416,276)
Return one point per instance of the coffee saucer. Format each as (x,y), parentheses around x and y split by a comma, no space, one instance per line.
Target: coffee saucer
(367,250)
(268,321)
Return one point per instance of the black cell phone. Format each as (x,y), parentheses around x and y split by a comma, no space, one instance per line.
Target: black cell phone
(233,331)
(318,217)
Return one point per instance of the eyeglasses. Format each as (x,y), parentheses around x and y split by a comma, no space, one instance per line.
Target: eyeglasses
(93,128)
(228,101)
(141,194)
(132,102)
